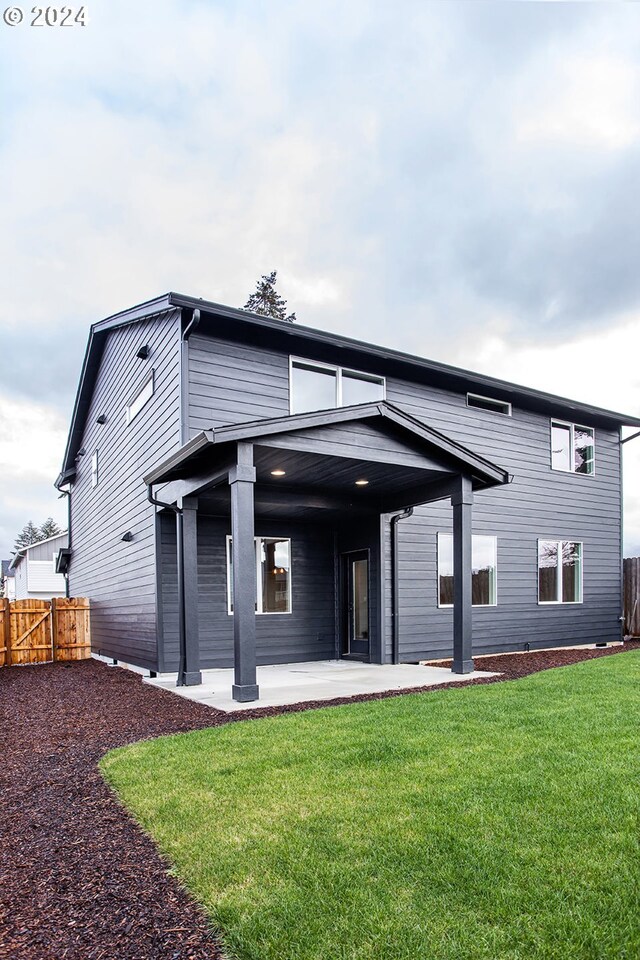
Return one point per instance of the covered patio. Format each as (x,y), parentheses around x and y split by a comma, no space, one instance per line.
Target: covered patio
(282,684)
(356,470)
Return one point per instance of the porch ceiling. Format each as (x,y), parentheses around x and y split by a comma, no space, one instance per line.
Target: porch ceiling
(316,484)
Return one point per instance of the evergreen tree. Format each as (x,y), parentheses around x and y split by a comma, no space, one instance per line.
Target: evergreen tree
(49,529)
(32,534)
(28,535)
(266,300)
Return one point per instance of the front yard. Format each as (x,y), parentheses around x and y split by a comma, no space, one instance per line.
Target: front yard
(495,821)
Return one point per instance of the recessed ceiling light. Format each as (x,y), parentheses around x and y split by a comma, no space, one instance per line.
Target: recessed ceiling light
(361,483)
(278,473)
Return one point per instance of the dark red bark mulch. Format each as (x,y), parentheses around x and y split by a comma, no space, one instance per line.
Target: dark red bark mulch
(78,879)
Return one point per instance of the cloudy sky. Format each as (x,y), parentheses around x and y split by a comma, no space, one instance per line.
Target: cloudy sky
(458,180)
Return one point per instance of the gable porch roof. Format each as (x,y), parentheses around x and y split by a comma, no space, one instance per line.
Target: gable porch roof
(405,460)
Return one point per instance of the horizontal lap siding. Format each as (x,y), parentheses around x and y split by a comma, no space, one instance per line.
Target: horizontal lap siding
(308,633)
(233,383)
(540,503)
(118,577)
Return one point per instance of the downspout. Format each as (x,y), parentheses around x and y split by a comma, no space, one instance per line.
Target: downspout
(193,324)
(395,599)
(180,563)
(67,494)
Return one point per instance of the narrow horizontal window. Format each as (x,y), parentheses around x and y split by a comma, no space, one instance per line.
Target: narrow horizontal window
(142,397)
(559,571)
(488,403)
(572,448)
(484,571)
(317,386)
(273,575)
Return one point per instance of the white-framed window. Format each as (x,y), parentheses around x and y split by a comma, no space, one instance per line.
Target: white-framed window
(484,570)
(273,574)
(94,469)
(489,403)
(559,571)
(322,386)
(141,398)
(572,448)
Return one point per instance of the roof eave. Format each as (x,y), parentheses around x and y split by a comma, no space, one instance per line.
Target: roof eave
(464,378)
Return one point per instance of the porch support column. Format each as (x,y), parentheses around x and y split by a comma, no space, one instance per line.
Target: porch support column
(462,502)
(242,478)
(191,666)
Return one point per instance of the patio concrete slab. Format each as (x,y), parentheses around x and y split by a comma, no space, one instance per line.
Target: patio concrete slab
(281,684)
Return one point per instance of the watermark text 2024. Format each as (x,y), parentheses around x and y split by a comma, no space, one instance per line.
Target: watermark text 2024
(46,17)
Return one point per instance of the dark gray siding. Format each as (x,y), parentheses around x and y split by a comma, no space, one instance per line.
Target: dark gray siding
(234,383)
(307,633)
(360,439)
(118,577)
(540,503)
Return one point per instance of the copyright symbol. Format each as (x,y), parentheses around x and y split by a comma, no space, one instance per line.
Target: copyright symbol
(12,16)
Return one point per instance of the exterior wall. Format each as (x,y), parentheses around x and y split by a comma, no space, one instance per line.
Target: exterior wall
(541,503)
(119,577)
(232,383)
(10,588)
(307,633)
(21,587)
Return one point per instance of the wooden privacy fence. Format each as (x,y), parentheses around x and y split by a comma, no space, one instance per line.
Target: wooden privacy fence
(38,631)
(631,588)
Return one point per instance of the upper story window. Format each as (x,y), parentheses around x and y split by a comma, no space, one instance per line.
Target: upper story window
(141,398)
(320,386)
(488,403)
(484,570)
(572,448)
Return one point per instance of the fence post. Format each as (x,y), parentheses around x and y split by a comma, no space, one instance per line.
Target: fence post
(54,628)
(6,630)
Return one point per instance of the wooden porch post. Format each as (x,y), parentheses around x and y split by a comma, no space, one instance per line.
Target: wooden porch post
(462,502)
(191,675)
(242,478)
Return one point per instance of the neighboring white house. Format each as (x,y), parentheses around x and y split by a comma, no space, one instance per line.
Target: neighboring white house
(34,570)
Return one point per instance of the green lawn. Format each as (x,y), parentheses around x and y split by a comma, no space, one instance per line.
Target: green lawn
(487,822)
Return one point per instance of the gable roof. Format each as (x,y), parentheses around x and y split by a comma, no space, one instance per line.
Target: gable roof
(295,338)
(197,449)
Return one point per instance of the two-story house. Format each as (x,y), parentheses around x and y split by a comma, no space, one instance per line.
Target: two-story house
(248,491)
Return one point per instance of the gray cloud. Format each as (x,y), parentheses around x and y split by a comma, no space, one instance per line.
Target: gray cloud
(420,175)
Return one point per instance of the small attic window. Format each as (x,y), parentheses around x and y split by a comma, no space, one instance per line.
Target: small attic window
(142,397)
(488,403)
